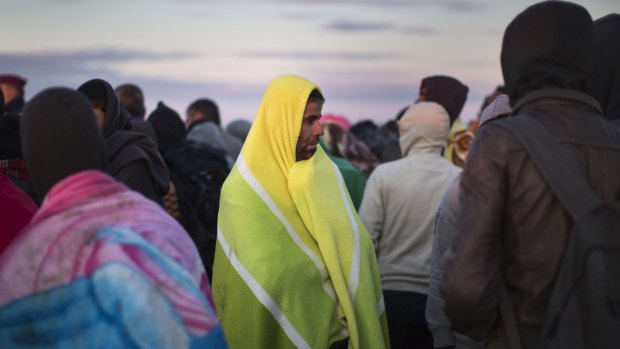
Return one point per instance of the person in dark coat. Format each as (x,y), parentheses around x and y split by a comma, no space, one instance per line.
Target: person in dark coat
(133,158)
(514,227)
(197,172)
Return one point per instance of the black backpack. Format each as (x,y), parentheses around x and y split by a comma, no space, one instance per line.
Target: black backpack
(198,172)
(584,307)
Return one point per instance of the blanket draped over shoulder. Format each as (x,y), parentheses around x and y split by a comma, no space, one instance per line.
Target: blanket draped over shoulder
(101,266)
(294,266)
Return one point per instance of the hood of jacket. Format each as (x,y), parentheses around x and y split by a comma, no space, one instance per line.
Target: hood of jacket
(424,128)
(116,117)
(548,45)
(60,138)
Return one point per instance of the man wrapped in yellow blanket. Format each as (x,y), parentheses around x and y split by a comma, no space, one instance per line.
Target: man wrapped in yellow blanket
(294,266)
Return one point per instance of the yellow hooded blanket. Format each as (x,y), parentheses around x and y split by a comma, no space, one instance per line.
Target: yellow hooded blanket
(294,266)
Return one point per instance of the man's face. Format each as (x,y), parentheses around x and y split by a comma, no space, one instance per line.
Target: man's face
(310,132)
(99,116)
(192,116)
(9,91)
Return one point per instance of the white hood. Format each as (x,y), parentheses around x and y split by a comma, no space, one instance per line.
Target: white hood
(425,127)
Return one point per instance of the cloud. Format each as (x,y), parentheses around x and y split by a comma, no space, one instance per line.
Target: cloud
(349,26)
(71,68)
(321,55)
(96,54)
(452,5)
(419,29)
(79,61)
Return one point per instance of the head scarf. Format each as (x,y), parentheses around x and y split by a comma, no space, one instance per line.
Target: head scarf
(116,117)
(60,137)
(274,207)
(606,75)
(448,92)
(168,126)
(125,146)
(548,45)
(340,120)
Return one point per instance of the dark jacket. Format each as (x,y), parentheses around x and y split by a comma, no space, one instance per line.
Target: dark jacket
(513,226)
(606,72)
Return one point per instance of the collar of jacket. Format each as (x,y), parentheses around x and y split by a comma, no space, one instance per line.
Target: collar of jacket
(542,96)
(200,122)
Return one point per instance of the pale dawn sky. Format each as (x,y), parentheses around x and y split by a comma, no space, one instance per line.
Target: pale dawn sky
(367,56)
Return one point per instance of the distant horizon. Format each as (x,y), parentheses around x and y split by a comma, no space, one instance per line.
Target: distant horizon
(367,56)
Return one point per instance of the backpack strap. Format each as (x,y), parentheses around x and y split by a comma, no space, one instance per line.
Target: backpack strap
(561,172)
(563,175)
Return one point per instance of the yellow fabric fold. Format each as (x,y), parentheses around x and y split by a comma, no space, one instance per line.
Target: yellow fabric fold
(294,266)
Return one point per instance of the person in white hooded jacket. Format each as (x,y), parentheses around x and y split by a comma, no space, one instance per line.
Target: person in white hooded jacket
(398,209)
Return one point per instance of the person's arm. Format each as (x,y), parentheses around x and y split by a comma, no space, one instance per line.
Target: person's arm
(445,224)
(472,269)
(136,176)
(371,209)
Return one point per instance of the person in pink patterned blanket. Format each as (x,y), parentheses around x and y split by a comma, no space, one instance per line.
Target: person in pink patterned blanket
(99,265)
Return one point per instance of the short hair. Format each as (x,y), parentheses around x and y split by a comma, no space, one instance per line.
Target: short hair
(132,98)
(315,96)
(207,108)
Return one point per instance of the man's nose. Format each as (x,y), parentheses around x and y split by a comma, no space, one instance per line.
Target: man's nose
(318,129)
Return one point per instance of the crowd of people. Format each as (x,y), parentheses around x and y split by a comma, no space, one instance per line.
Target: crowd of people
(299,229)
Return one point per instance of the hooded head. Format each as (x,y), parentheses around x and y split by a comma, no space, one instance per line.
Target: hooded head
(60,137)
(280,117)
(549,45)
(102,95)
(425,127)
(168,126)
(606,72)
(239,128)
(450,93)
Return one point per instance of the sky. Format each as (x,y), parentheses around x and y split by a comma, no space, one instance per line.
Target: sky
(368,57)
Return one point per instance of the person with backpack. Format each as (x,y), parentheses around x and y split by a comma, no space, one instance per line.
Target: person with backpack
(197,172)
(518,227)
